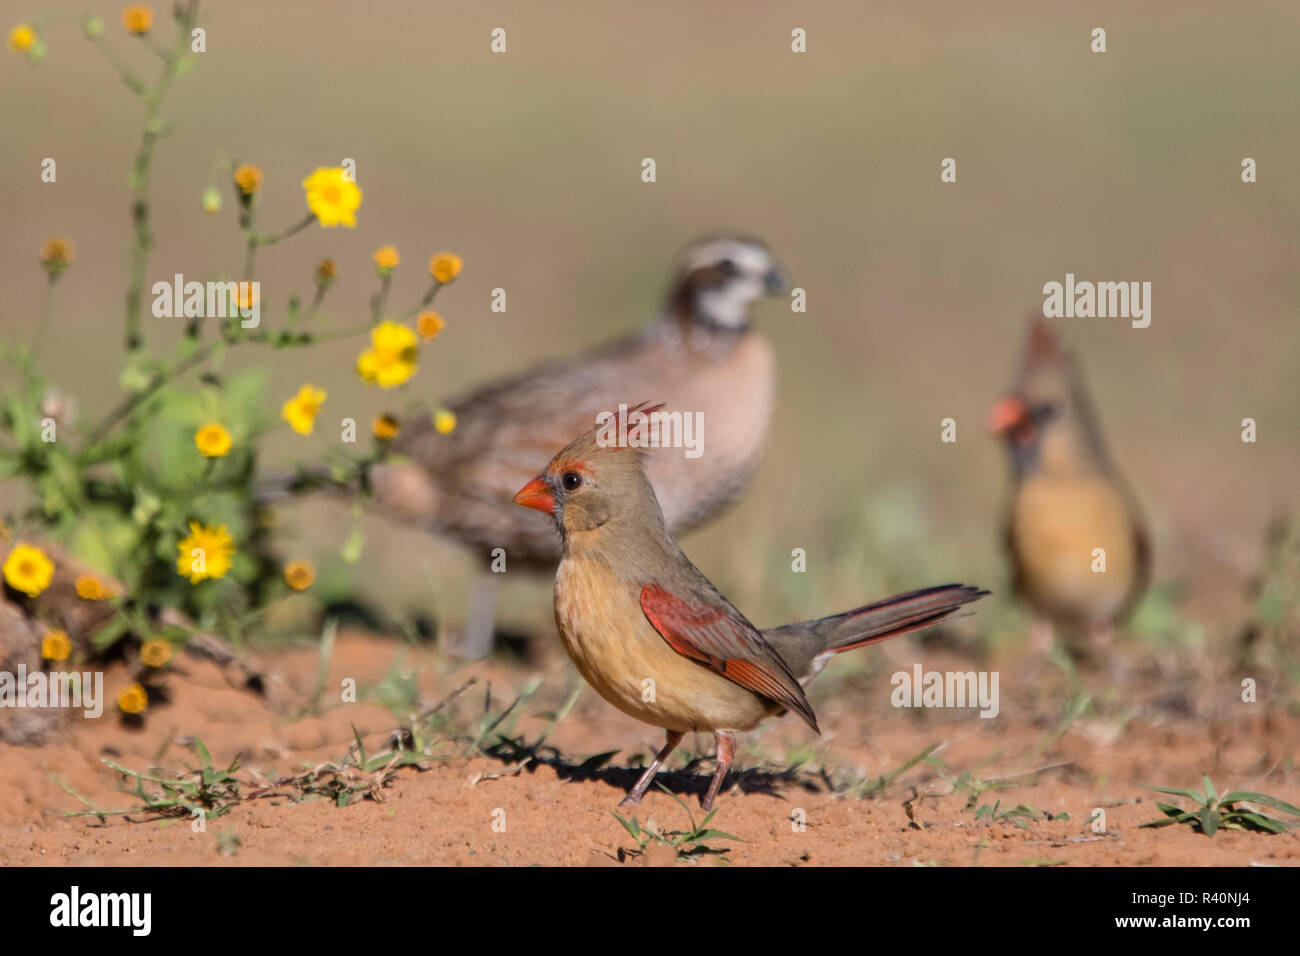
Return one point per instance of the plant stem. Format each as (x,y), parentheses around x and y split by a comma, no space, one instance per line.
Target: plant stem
(133,82)
(162,52)
(134,401)
(47,306)
(140,170)
(427,300)
(250,249)
(316,301)
(379,301)
(255,241)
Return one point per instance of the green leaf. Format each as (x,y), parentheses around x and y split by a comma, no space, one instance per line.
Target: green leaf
(147,505)
(1179,792)
(351,550)
(379,761)
(134,378)
(680,802)
(188,345)
(1264,822)
(202,753)
(631,826)
(361,748)
(1169,821)
(1209,821)
(111,632)
(1263,798)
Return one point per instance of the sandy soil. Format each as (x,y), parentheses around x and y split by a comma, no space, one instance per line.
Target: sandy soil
(485,811)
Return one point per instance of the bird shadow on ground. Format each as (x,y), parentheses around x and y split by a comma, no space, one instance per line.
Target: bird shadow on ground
(521,757)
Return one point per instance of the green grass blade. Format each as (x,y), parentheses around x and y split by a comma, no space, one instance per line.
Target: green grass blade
(1209,819)
(1262,798)
(631,826)
(1179,792)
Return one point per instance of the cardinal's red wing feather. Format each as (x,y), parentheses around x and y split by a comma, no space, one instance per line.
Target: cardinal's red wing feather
(723,641)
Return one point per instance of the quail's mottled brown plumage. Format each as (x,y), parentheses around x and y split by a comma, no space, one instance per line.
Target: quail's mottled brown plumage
(700,354)
(1068,499)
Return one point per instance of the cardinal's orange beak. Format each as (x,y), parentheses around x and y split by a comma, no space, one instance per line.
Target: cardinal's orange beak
(537,495)
(1008,414)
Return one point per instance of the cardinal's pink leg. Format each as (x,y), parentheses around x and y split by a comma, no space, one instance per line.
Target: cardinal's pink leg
(726,750)
(636,793)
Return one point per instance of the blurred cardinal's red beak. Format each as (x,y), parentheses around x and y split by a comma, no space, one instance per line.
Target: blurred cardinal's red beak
(537,495)
(1006,415)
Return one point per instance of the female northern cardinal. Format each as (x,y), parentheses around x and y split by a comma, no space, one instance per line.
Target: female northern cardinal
(1079,552)
(649,632)
(701,348)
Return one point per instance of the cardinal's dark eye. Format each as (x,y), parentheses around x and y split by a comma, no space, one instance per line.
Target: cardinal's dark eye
(728,267)
(571,480)
(1043,412)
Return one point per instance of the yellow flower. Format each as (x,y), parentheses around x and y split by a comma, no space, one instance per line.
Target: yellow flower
(155,653)
(90,588)
(132,699)
(445,266)
(300,411)
(57,254)
(246,295)
(299,575)
(391,360)
(444,421)
(212,440)
(137,18)
(332,197)
(248,179)
(27,569)
(326,271)
(387,259)
(206,553)
(385,427)
(429,324)
(55,646)
(22,38)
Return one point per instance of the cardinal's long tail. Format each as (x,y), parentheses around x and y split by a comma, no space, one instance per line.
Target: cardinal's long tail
(806,646)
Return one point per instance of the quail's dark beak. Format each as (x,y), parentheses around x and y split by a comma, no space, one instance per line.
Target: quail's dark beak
(774,281)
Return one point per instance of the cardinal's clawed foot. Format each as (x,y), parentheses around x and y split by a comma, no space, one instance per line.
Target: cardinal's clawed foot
(726,750)
(636,793)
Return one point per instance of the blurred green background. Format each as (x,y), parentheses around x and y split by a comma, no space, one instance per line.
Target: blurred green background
(1123,165)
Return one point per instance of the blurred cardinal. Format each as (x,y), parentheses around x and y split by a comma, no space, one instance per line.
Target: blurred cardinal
(701,349)
(1068,501)
(649,632)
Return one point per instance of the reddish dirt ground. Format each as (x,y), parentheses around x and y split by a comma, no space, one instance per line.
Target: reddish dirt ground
(445,814)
